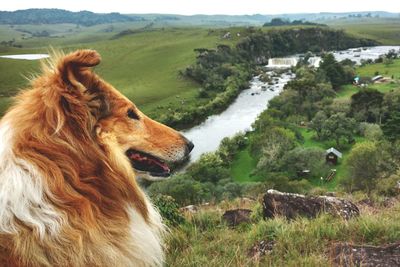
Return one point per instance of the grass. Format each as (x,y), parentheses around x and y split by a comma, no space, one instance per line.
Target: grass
(205,241)
(387,70)
(371,70)
(143,66)
(243,166)
(385,30)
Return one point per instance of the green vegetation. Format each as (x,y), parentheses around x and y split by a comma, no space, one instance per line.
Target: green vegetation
(205,241)
(282,22)
(55,16)
(144,66)
(383,29)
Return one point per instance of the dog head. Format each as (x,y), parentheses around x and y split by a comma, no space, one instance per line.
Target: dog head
(91,105)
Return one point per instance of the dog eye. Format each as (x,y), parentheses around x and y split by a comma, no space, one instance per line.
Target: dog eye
(132,114)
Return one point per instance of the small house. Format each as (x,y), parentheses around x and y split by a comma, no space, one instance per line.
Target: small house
(332,156)
(377,78)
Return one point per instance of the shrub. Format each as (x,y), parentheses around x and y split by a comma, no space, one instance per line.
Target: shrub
(168,209)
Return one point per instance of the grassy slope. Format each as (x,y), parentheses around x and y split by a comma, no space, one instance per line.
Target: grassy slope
(143,66)
(243,166)
(205,241)
(386,30)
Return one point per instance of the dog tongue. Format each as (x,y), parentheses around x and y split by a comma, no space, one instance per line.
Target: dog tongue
(149,161)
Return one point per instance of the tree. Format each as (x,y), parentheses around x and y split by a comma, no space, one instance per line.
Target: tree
(300,159)
(339,126)
(363,163)
(373,132)
(182,188)
(317,123)
(333,70)
(209,168)
(271,145)
(366,105)
(391,128)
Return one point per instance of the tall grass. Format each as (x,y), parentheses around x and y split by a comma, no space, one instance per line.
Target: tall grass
(206,241)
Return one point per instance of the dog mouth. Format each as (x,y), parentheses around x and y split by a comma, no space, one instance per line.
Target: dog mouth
(149,164)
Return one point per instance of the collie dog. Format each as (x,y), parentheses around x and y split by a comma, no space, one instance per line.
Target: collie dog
(70,149)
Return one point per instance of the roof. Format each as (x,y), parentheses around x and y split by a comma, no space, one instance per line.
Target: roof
(334,151)
(378,77)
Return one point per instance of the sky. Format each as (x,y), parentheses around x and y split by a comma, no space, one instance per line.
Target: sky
(190,7)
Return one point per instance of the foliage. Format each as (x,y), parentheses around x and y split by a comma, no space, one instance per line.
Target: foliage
(209,168)
(55,16)
(270,147)
(282,22)
(168,209)
(373,132)
(298,242)
(299,159)
(366,105)
(391,128)
(363,162)
(317,123)
(334,71)
(338,126)
(182,188)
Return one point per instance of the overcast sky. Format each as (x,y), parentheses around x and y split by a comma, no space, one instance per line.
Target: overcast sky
(190,7)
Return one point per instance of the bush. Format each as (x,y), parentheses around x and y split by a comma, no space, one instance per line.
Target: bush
(373,132)
(168,209)
(300,159)
(182,188)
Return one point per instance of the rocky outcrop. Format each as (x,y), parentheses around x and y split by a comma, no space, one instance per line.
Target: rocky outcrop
(367,256)
(289,205)
(236,216)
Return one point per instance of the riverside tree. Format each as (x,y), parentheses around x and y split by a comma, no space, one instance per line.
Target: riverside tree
(339,126)
(363,163)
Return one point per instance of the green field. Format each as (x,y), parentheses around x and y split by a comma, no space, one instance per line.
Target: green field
(144,66)
(385,30)
(371,70)
(243,166)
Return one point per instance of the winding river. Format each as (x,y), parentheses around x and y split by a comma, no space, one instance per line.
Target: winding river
(239,116)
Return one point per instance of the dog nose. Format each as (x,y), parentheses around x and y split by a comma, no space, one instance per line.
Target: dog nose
(189,146)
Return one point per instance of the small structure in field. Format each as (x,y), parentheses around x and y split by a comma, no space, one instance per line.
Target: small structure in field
(332,156)
(377,78)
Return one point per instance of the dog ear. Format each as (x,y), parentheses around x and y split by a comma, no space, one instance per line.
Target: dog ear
(74,69)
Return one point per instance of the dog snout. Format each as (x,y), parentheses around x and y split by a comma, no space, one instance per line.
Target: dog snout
(189,147)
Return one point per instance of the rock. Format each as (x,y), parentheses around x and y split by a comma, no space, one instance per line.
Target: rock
(367,256)
(236,216)
(190,209)
(292,205)
(261,248)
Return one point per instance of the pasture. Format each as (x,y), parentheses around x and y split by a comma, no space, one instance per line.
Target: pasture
(144,66)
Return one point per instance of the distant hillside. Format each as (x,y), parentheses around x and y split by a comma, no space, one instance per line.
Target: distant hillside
(258,19)
(285,22)
(54,16)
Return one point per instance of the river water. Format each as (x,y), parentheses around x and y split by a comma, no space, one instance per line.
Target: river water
(26,56)
(239,116)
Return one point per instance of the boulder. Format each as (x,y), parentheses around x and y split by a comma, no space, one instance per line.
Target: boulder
(367,256)
(289,205)
(236,216)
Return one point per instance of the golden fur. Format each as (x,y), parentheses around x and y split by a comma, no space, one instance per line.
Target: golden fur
(65,139)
